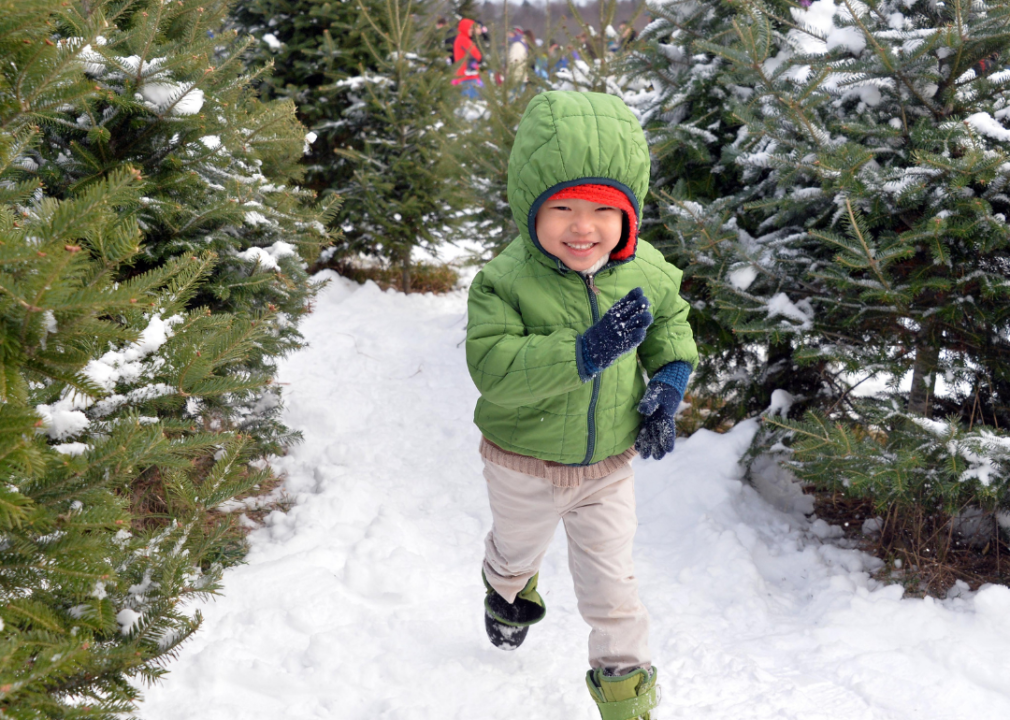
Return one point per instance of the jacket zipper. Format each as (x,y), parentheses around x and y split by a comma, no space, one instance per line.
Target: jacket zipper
(594,307)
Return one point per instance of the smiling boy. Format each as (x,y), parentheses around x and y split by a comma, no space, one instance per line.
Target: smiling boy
(562,325)
(579,233)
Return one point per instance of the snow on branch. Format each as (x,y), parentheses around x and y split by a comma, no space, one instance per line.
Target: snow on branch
(989,126)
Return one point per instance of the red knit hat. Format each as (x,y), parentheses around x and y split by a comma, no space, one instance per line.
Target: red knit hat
(607,195)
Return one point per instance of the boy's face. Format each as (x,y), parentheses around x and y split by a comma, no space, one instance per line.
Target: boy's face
(578,232)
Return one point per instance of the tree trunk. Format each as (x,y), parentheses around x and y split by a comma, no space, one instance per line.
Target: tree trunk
(405,274)
(927,354)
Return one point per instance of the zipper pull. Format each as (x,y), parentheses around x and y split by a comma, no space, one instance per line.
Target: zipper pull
(591,279)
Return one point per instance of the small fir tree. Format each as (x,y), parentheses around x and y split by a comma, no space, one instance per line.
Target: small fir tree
(597,68)
(688,107)
(483,143)
(881,251)
(170,97)
(118,365)
(306,43)
(97,375)
(405,191)
(883,223)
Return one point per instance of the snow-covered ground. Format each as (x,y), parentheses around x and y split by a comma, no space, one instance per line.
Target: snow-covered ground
(365,600)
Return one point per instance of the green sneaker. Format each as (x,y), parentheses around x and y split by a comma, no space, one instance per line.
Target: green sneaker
(508,623)
(624,697)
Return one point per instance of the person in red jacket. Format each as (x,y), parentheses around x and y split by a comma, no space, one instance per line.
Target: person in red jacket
(466,52)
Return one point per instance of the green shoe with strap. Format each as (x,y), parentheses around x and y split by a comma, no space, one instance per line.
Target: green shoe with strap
(508,623)
(624,697)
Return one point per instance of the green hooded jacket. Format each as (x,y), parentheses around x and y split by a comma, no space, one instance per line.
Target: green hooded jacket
(527,309)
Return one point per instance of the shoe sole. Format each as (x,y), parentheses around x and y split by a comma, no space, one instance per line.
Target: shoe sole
(505,637)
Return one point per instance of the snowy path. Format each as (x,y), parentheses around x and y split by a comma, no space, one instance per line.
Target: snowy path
(364,601)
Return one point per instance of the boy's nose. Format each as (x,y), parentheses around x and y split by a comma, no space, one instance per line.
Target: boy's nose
(581,225)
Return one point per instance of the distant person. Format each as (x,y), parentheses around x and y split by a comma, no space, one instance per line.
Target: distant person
(444,31)
(613,39)
(542,63)
(558,358)
(558,57)
(628,35)
(573,53)
(537,62)
(518,56)
(531,44)
(450,42)
(468,56)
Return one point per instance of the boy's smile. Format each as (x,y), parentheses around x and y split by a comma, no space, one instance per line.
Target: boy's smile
(578,232)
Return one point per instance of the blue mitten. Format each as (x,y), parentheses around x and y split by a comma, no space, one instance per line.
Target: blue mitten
(620,330)
(657,433)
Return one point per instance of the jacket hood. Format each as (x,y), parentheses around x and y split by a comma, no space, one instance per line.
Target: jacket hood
(568,138)
(464,26)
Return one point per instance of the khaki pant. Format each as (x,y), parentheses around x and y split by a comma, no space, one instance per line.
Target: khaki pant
(600,523)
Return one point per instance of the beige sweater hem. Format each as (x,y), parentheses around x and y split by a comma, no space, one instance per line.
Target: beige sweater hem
(560,475)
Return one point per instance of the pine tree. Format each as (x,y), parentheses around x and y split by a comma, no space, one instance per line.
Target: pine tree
(688,109)
(888,235)
(404,191)
(172,99)
(306,43)
(483,143)
(118,367)
(597,69)
(91,577)
(882,250)
(465,8)
(95,373)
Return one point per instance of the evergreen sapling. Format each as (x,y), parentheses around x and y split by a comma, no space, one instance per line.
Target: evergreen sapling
(880,252)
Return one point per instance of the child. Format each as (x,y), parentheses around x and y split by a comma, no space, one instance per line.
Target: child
(561,327)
